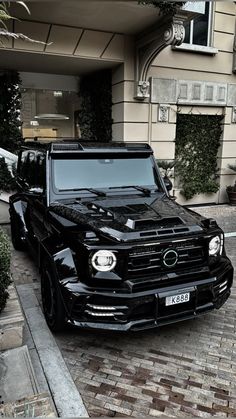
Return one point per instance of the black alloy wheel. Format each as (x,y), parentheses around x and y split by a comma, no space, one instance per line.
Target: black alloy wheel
(53,306)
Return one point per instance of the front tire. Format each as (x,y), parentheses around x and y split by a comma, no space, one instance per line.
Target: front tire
(53,306)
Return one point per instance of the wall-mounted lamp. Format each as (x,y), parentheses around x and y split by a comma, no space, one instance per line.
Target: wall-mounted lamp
(54,116)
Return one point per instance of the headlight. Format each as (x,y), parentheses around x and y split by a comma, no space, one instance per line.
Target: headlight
(104,260)
(216,245)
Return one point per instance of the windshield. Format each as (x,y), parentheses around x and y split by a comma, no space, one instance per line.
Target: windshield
(69,174)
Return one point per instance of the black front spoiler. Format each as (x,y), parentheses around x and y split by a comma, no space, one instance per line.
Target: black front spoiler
(205,295)
(141,324)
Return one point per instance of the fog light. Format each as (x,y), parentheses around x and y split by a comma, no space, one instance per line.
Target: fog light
(104,260)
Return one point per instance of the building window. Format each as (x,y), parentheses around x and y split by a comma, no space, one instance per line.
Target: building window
(198,30)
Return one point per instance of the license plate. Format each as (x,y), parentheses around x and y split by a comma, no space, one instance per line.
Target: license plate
(178,299)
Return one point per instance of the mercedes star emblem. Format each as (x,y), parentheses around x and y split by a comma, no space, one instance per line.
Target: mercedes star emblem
(170,258)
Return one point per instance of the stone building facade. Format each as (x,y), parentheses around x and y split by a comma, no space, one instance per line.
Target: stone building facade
(196,79)
(159,69)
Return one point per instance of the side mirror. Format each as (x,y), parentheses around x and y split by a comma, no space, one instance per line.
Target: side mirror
(36,191)
(168,183)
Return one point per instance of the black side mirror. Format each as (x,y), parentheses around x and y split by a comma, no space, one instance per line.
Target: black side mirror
(168,183)
(37,191)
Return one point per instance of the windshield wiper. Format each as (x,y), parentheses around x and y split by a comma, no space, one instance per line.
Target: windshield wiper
(146,191)
(95,191)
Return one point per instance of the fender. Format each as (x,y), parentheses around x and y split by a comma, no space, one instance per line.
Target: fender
(61,259)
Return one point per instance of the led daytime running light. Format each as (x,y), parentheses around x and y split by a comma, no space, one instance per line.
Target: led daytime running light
(103,260)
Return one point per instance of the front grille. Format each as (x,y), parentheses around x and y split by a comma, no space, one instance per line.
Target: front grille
(148,261)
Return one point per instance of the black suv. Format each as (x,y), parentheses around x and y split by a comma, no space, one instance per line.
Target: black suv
(114,250)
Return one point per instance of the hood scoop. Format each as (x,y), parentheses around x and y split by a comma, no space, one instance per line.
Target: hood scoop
(163,227)
(157,223)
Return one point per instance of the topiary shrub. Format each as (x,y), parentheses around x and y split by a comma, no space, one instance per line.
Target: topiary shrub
(5,279)
(95,116)
(7,181)
(10,105)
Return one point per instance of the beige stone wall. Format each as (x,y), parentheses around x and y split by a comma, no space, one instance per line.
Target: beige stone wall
(130,118)
(194,65)
(134,121)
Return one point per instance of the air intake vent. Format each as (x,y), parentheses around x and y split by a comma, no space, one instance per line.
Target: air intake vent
(163,223)
(66,147)
(100,213)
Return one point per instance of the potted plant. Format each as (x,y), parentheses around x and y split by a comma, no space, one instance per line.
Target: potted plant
(166,168)
(231,190)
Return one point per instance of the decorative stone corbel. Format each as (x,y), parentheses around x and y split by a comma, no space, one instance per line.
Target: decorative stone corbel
(142,89)
(149,45)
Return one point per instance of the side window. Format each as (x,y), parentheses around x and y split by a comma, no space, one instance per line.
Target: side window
(198,31)
(41,170)
(27,167)
(30,169)
(21,168)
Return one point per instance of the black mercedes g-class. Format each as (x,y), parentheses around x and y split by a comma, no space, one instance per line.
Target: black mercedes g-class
(114,250)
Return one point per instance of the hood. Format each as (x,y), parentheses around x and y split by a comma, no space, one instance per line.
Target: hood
(129,218)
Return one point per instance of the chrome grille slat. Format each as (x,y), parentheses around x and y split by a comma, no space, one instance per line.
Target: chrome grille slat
(189,261)
(146,268)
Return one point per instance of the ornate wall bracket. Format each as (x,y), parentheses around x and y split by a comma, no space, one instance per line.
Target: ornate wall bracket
(170,32)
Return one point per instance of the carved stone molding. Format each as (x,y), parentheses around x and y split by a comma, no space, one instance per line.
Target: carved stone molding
(192,92)
(163,113)
(148,46)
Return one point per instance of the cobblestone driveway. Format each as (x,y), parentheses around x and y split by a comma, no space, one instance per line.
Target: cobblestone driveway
(187,369)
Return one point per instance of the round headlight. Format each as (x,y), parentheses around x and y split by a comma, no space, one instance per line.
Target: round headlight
(104,260)
(214,246)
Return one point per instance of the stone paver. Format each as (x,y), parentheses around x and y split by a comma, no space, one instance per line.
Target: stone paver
(186,369)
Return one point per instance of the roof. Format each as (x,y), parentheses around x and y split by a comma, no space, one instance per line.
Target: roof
(78,146)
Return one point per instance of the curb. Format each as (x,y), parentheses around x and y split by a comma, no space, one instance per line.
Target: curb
(65,395)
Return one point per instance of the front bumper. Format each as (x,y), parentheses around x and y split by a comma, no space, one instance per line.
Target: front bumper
(111,310)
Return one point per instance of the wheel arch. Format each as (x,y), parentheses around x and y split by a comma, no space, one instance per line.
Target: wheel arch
(61,260)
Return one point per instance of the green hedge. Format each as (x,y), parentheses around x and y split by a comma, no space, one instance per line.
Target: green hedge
(10,105)
(95,116)
(7,181)
(197,144)
(4,268)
